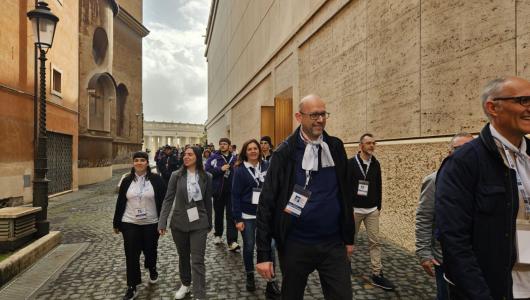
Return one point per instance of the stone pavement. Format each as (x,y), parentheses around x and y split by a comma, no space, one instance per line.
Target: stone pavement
(99,271)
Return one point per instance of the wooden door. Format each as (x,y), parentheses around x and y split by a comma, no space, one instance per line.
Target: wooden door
(283,118)
(267,122)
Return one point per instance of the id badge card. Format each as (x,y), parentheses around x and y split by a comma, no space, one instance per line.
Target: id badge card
(523,242)
(140,213)
(297,201)
(255,195)
(362,188)
(193,214)
(227,173)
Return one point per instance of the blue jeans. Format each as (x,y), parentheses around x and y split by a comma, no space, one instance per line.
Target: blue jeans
(441,284)
(249,242)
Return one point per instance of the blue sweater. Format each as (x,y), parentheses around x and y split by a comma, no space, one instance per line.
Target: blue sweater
(242,186)
(320,217)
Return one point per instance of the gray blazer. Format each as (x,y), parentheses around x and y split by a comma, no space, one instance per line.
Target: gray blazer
(427,247)
(177,193)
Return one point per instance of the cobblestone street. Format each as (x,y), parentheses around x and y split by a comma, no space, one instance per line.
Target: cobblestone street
(99,272)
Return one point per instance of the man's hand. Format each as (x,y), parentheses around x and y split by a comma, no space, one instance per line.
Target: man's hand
(265,270)
(162,232)
(240,226)
(116,230)
(349,250)
(428,266)
(225,167)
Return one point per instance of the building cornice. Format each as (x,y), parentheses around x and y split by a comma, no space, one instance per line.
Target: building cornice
(209,28)
(132,23)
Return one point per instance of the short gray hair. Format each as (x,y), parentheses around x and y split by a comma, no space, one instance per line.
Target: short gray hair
(491,89)
(460,134)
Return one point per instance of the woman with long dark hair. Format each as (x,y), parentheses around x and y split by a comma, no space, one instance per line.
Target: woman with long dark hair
(136,216)
(249,176)
(190,188)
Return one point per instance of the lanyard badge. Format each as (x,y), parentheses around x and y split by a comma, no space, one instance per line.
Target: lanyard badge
(297,202)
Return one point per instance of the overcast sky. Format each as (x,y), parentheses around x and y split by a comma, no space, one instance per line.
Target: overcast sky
(174,67)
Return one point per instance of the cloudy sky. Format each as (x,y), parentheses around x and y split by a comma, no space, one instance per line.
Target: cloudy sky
(174,67)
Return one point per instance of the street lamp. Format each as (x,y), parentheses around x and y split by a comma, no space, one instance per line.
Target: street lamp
(44,23)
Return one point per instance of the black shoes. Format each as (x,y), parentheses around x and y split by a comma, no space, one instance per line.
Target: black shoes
(251,284)
(382,282)
(272,290)
(130,294)
(153,276)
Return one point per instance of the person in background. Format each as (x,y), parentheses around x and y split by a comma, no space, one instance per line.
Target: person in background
(190,190)
(233,148)
(168,163)
(367,199)
(221,165)
(136,216)
(249,175)
(205,155)
(266,147)
(428,249)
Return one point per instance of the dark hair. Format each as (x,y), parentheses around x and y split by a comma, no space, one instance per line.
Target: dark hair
(365,135)
(243,155)
(225,140)
(198,163)
(267,139)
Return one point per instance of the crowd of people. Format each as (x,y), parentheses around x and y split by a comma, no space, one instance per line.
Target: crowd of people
(303,202)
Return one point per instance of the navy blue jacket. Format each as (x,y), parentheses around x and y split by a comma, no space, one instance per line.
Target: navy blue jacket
(272,221)
(476,205)
(242,186)
(220,184)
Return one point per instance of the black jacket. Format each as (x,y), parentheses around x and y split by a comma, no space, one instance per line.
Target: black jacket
(375,190)
(167,165)
(272,221)
(159,186)
(476,206)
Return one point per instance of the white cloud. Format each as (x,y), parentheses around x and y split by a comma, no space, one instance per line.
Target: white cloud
(174,68)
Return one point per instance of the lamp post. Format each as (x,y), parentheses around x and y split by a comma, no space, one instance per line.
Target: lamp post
(43,22)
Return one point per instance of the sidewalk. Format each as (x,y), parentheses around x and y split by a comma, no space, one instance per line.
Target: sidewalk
(98,272)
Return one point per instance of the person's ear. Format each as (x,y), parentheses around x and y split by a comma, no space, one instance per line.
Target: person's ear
(491,108)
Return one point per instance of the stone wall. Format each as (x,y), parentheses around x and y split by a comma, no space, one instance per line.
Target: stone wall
(403,71)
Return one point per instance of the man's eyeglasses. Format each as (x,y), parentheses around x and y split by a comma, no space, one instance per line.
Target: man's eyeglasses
(523,100)
(316,115)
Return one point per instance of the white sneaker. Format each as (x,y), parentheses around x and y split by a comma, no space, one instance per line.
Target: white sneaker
(217,240)
(234,247)
(181,293)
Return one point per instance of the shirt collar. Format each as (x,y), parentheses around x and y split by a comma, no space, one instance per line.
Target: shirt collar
(503,140)
(249,165)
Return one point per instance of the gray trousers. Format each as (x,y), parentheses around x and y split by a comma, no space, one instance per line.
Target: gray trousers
(192,244)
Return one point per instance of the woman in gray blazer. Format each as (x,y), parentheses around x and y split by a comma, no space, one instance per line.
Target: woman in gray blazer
(190,188)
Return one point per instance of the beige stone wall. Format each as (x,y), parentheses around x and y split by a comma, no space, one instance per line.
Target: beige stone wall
(133,7)
(398,69)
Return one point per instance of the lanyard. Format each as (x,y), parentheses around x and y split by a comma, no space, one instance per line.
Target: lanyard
(140,188)
(256,178)
(307,178)
(361,167)
(231,158)
(520,186)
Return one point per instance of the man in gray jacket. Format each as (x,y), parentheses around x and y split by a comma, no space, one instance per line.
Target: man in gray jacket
(428,249)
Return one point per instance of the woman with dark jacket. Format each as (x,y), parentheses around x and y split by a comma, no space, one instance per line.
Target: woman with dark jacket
(249,175)
(190,189)
(136,216)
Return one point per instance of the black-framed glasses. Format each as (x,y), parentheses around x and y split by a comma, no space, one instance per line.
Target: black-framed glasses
(523,100)
(316,115)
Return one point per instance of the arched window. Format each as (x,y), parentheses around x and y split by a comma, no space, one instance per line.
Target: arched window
(100,44)
(101,91)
